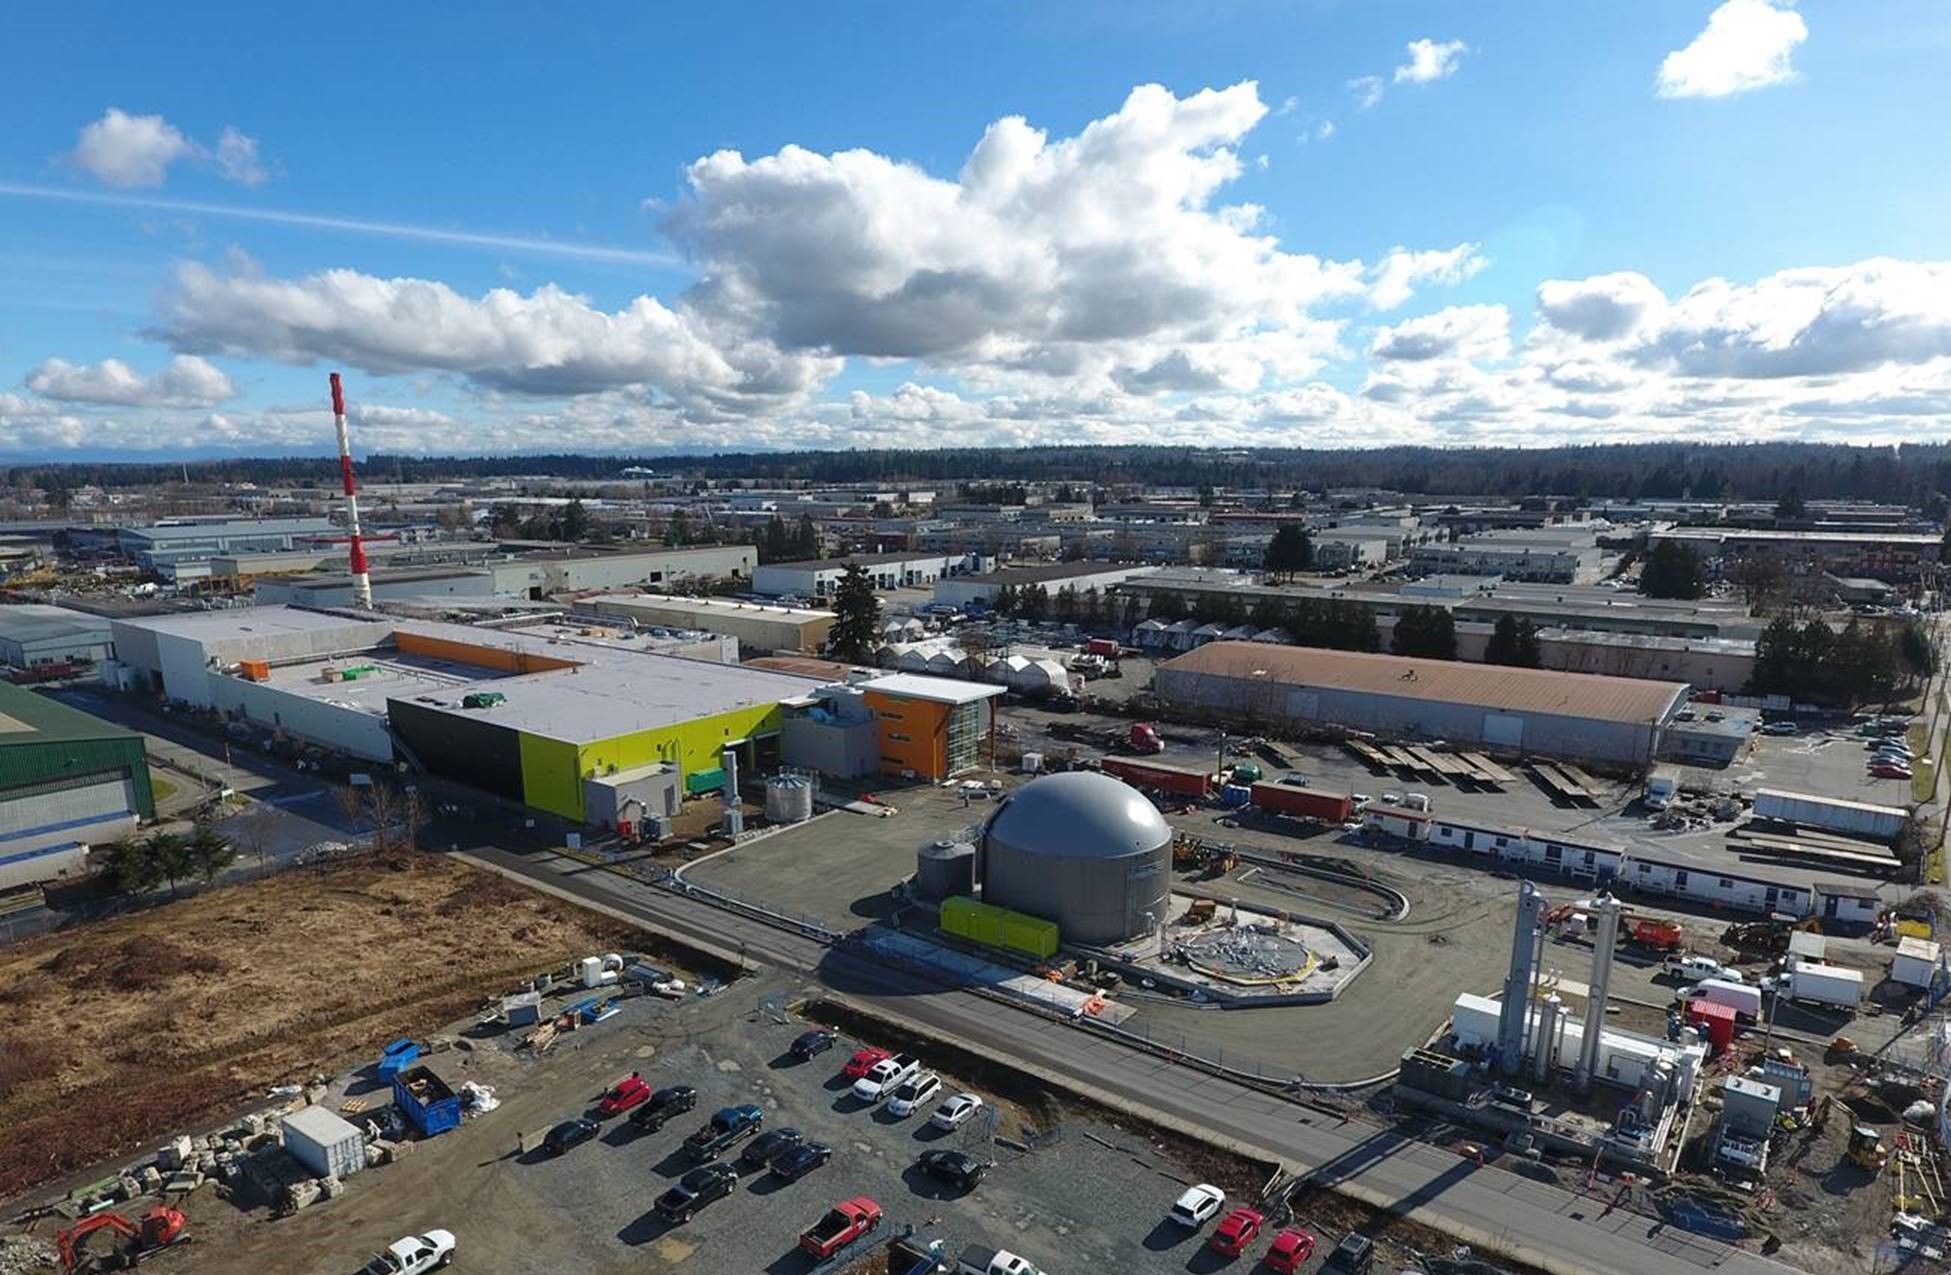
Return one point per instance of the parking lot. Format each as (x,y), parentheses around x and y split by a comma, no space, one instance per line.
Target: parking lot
(1090,1197)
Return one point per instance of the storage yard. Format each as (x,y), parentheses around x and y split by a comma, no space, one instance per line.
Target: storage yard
(175,1015)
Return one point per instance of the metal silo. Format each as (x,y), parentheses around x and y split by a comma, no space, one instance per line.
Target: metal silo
(1081,849)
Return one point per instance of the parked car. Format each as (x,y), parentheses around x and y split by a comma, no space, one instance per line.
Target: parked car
(1767,728)
(694,1190)
(914,1092)
(669,1101)
(1198,1205)
(956,1112)
(957,1168)
(797,1161)
(631,1091)
(811,1044)
(569,1133)
(863,1061)
(1890,770)
(758,1153)
(885,1076)
(413,1255)
(1289,1252)
(727,1126)
(844,1223)
(1236,1231)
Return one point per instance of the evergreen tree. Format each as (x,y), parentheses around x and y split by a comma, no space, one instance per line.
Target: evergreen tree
(678,530)
(131,868)
(1425,631)
(1515,642)
(208,853)
(772,546)
(1032,602)
(1167,607)
(1672,570)
(1291,550)
(857,624)
(1004,601)
(1065,609)
(1790,505)
(575,521)
(806,545)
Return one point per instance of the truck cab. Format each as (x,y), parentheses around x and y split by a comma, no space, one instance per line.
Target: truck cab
(844,1223)
(885,1076)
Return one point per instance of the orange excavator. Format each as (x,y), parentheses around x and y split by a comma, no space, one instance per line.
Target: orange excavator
(160,1228)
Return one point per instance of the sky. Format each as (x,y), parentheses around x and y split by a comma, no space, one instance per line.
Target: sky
(646,229)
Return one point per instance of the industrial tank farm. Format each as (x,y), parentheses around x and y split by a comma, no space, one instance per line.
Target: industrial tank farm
(1083,850)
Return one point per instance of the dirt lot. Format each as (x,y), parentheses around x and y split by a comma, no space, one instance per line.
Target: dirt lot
(172,1015)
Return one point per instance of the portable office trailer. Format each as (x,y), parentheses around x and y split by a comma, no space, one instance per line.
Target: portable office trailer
(324,1142)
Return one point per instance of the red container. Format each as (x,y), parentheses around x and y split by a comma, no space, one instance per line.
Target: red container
(1101,646)
(1157,775)
(1719,1020)
(1303,803)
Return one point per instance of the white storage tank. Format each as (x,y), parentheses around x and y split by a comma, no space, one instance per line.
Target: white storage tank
(789,799)
(324,1142)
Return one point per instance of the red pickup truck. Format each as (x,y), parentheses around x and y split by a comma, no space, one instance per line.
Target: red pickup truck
(844,1223)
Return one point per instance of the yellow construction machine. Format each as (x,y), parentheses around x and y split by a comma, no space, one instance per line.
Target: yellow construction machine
(1866,1149)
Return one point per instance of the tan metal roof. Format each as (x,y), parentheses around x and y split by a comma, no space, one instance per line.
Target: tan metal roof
(1518,690)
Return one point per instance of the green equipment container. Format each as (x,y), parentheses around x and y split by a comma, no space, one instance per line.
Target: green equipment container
(999,927)
(483,699)
(704,780)
(1248,773)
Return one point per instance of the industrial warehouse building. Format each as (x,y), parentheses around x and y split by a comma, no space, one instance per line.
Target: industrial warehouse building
(31,635)
(818,577)
(533,574)
(569,718)
(758,626)
(1080,577)
(1573,715)
(67,781)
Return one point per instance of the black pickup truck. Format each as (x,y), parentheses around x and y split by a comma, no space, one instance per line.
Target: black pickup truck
(727,1127)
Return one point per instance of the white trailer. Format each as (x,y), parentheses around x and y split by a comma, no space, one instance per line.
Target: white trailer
(1827,985)
(1744,1000)
(1662,786)
(1885,823)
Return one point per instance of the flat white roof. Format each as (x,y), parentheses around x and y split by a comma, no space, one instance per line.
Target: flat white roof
(240,622)
(941,690)
(709,606)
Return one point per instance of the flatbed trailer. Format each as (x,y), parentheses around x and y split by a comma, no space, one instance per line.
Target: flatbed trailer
(1492,772)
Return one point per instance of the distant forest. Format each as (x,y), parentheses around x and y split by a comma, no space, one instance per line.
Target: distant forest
(1917,474)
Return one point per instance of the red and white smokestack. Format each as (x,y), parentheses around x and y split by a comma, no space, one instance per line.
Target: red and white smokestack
(362,584)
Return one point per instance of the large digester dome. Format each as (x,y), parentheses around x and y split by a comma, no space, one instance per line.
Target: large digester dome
(1081,849)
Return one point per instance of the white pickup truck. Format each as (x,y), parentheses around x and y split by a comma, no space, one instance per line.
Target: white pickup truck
(977,1260)
(413,1255)
(885,1076)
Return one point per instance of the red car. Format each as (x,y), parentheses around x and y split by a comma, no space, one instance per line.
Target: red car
(863,1062)
(632,1091)
(1290,1253)
(1235,1231)
(1889,770)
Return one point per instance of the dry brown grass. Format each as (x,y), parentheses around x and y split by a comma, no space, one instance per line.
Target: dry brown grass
(127,1031)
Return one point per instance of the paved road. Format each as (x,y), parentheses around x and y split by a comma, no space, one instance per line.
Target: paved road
(1539,1223)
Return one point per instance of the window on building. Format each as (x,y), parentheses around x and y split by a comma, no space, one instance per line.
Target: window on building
(898,738)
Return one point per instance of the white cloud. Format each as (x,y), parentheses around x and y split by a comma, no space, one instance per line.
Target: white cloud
(131,151)
(1607,307)
(1368,90)
(120,149)
(548,342)
(1463,331)
(1402,269)
(1747,44)
(237,158)
(1430,61)
(186,381)
(1324,130)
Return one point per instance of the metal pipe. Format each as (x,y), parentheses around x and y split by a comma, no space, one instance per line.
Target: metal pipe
(362,584)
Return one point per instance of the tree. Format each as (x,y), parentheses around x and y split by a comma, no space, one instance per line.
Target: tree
(1762,579)
(1790,505)
(131,868)
(1672,571)
(1425,631)
(575,521)
(1291,550)
(1513,641)
(1004,600)
(1167,607)
(857,608)
(678,530)
(207,853)
(1032,602)
(171,855)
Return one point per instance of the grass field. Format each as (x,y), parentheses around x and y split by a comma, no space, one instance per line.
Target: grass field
(160,788)
(120,1033)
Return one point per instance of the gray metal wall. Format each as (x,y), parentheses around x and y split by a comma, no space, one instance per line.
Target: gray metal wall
(659,794)
(1552,734)
(1091,900)
(349,730)
(844,750)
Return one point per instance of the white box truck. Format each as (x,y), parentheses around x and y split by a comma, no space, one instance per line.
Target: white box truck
(1831,986)
(1662,786)
(1744,1000)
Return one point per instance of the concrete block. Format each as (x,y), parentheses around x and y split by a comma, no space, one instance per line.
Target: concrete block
(188,1180)
(128,1187)
(301,1195)
(331,1188)
(174,1153)
(151,1178)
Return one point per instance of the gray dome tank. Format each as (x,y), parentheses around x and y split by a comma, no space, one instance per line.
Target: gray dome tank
(1081,849)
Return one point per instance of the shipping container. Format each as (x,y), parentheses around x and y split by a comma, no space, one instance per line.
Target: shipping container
(426,1101)
(1303,803)
(1717,1018)
(1103,647)
(999,927)
(1885,823)
(324,1142)
(1158,775)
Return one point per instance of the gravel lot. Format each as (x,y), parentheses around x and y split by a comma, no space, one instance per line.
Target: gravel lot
(1090,1200)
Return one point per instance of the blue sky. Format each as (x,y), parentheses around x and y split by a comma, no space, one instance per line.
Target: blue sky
(1331,222)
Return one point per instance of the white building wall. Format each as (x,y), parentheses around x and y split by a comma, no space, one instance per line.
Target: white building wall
(349,730)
